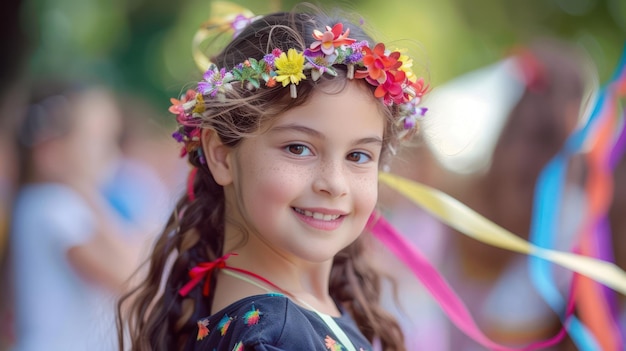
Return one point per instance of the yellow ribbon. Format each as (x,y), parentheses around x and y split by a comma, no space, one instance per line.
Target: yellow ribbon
(223,14)
(462,218)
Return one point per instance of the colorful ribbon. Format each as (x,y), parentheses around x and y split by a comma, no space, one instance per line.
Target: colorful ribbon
(453,213)
(598,306)
(437,286)
(460,217)
(597,134)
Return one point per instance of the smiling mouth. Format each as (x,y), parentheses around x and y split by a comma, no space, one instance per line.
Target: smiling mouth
(317,215)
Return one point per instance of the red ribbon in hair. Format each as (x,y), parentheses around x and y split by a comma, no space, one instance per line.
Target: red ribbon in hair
(202,271)
(190,180)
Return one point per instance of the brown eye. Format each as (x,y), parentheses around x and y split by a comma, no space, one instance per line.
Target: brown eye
(358,157)
(298,149)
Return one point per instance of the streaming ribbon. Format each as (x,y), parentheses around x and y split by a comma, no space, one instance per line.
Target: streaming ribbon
(460,217)
(599,135)
(598,305)
(437,286)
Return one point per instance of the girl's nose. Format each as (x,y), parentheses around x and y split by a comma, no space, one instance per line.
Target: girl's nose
(331,179)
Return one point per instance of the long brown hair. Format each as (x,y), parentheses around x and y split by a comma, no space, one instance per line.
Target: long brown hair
(158,318)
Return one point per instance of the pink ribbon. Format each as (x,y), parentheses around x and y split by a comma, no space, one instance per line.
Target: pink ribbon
(436,285)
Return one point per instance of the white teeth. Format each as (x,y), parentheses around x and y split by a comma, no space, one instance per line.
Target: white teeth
(317,215)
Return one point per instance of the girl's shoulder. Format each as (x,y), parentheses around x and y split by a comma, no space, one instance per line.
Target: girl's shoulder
(271,322)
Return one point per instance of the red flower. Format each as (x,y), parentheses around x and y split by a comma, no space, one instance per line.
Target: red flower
(392,89)
(419,87)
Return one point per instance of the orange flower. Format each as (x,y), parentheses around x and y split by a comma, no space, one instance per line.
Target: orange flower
(178,107)
(378,63)
(271,82)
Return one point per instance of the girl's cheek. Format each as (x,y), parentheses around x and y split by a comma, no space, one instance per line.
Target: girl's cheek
(366,187)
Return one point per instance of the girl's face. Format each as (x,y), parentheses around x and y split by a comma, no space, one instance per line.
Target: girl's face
(306,187)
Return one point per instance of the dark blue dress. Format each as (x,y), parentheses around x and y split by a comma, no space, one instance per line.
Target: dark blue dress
(272,322)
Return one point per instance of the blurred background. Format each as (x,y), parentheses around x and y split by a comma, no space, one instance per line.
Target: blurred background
(141,51)
(143,47)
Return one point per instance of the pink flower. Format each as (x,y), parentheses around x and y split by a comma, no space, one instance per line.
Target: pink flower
(330,39)
(419,88)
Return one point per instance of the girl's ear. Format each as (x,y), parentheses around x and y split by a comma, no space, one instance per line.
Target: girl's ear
(217,157)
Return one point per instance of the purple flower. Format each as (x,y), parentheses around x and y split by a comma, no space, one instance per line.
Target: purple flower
(358,46)
(213,80)
(355,57)
(409,122)
(413,115)
(239,23)
(269,59)
(177,136)
(357,52)
(320,62)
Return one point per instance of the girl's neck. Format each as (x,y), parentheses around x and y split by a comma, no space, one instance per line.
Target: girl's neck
(305,282)
(290,273)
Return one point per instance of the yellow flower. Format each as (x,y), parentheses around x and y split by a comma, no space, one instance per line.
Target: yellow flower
(199,107)
(407,63)
(289,67)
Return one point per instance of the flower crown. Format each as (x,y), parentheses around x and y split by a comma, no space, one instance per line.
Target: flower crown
(389,72)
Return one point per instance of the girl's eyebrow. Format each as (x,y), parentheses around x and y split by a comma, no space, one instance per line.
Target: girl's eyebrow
(298,128)
(316,134)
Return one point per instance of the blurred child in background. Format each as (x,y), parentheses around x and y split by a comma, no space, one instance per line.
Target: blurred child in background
(69,257)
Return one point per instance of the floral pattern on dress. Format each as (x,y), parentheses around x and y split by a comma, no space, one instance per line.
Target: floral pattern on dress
(252,317)
(238,346)
(203,328)
(235,335)
(332,345)
(224,324)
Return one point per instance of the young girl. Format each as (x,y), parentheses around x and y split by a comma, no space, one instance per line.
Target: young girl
(286,134)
